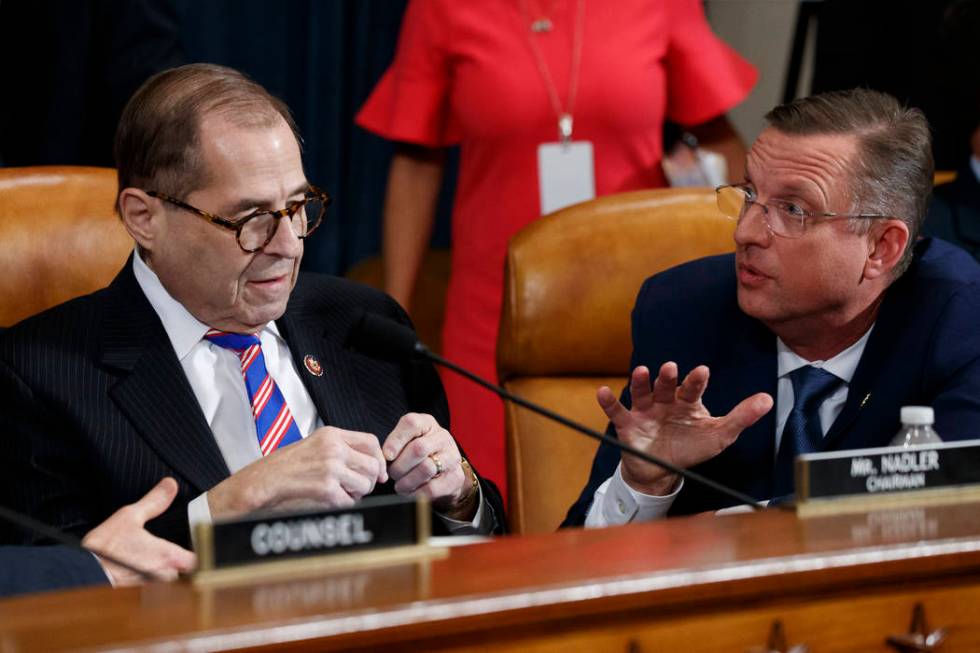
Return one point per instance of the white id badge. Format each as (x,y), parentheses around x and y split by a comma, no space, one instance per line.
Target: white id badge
(566,174)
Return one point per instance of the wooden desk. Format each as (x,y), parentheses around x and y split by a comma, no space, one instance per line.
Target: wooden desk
(697,584)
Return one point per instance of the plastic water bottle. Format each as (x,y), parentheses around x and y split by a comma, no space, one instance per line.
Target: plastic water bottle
(916,428)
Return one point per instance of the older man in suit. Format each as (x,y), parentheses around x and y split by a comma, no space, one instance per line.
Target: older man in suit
(827,319)
(211,358)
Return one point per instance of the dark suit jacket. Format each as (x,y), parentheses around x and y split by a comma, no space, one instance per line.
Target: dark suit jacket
(954,214)
(924,350)
(39,568)
(95,408)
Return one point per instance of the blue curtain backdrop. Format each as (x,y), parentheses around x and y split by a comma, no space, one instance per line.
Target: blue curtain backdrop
(322,57)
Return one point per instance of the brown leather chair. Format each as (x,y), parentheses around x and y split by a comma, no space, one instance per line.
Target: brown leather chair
(59,236)
(571,281)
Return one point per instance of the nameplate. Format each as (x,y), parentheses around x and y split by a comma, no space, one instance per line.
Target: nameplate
(290,540)
(941,470)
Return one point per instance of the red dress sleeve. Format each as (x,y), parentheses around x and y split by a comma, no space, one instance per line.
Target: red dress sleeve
(705,76)
(411,102)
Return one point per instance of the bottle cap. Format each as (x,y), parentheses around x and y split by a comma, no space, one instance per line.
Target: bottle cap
(917,415)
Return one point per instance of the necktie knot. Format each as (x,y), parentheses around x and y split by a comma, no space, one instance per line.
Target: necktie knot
(811,386)
(803,432)
(237,342)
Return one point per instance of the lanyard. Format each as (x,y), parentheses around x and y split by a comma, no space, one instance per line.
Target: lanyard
(564,114)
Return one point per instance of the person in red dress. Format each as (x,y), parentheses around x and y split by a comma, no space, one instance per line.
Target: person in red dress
(495,77)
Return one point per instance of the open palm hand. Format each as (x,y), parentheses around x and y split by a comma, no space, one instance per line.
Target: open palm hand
(669,421)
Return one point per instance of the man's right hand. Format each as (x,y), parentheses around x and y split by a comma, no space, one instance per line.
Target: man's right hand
(330,468)
(123,537)
(669,421)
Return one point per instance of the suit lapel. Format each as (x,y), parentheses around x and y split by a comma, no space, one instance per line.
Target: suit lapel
(151,388)
(335,392)
(749,367)
(877,352)
(859,394)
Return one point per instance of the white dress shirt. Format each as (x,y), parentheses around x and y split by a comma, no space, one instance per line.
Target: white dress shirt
(215,376)
(616,503)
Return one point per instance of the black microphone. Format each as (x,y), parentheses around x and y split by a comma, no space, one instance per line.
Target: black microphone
(389,339)
(32,525)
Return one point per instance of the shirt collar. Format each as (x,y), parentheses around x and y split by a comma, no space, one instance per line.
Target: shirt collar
(843,365)
(183,329)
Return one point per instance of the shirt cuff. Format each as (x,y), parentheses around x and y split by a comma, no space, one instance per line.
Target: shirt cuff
(616,503)
(105,570)
(481,524)
(198,512)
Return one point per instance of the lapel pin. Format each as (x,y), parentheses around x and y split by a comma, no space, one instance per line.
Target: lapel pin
(865,400)
(312,365)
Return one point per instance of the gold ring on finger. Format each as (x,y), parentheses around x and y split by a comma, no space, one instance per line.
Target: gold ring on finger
(440,468)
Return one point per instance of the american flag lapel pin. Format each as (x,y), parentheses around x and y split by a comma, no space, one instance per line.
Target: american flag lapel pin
(313,365)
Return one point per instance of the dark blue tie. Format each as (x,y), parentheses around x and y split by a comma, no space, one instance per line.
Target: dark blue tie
(802,433)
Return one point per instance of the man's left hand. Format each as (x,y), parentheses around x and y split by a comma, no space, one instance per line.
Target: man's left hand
(424,459)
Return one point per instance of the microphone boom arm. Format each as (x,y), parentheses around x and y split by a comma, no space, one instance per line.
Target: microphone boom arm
(423,351)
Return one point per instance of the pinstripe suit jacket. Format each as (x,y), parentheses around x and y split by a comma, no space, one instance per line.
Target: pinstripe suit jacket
(95,408)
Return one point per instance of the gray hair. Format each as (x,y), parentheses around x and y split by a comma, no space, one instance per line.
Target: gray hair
(892,172)
(158,138)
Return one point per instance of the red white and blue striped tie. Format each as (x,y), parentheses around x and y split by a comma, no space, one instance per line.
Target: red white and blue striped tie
(274,423)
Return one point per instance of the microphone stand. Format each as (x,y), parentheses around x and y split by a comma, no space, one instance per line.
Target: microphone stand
(423,351)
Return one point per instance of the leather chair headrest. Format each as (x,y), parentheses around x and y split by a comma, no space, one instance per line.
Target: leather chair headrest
(59,236)
(572,276)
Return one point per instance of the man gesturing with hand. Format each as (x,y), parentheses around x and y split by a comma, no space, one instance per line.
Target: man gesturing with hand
(830,315)
(669,421)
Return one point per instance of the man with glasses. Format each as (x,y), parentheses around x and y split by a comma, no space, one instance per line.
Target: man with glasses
(829,317)
(211,358)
